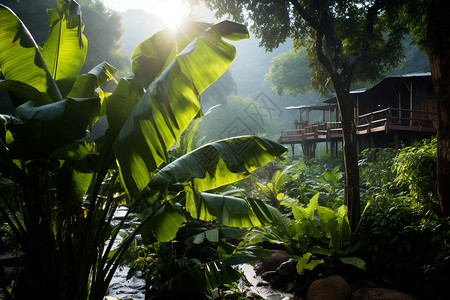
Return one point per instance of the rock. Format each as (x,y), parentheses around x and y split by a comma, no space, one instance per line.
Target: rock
(333,287)
(272,262)
(379,294)
(253,295)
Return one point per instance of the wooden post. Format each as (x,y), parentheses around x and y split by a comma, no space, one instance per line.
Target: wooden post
(329,112)
(293,149)
(397,141)
(357,110)
(307,117)
(411,104)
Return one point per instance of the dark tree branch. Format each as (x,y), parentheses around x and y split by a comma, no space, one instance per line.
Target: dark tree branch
(305,14)
(370,20)
(319,26)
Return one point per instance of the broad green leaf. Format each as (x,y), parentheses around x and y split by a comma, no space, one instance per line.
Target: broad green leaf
(211,235)
(312,206)
(313,263)
(85,85)
(153,55)
(304,263)
(265,213)
(322,251)
(231,30)
(21,60)
(301,263)
(74,151)
(229,211)
(22,92)
(198,238)
(344,224)
(355,261)
(121,103)
(150,58)
(304,226)
(330,225)
(64,52)
(167,107)
(48,127)
(72,185)
(163,225)
(290,202)
(219,163)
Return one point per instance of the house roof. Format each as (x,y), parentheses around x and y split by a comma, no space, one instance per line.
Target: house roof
(318,106)
(383,82)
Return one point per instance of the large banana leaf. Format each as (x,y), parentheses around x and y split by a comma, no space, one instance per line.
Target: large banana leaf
(163,225)
(214,165)
(47,127)
(229,211)
(150,58)
(21,60)
(22,92)
(65,50)
(156,53)
(219,163)
(167,107)
(85,85)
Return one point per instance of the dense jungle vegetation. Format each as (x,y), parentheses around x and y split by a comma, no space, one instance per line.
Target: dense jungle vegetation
(195,208)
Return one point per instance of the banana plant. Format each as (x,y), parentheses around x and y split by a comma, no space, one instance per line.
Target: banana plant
(59,189)
(185,188)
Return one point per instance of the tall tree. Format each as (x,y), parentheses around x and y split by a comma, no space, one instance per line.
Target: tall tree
(428,24)
(438,48)
(343,39)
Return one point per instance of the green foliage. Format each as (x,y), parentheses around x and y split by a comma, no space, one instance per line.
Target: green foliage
(198,260)
(402,245)
(103,29)
(415,168)
(275,22)
(315,236)
(61,188)
(289,73)
(377,178)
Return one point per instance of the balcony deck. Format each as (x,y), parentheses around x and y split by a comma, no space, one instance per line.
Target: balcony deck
(388,120)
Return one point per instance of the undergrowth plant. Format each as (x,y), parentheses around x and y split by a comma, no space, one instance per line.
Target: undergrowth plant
(415,168)
(316,237)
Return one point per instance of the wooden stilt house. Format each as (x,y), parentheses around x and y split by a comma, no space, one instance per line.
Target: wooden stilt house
(398,109)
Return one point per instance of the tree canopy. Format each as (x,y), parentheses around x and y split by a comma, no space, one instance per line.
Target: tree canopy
(289,73)
(344,40)
(273,22)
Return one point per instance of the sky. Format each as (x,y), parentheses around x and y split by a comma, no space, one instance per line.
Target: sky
(170,10)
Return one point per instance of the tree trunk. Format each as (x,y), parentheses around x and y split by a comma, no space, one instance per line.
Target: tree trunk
(351,192)
(438,46)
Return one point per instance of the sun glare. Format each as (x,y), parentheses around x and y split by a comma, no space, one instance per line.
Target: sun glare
(173,12)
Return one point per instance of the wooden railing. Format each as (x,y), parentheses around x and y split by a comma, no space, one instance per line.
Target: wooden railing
(395,118)
(381,120)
